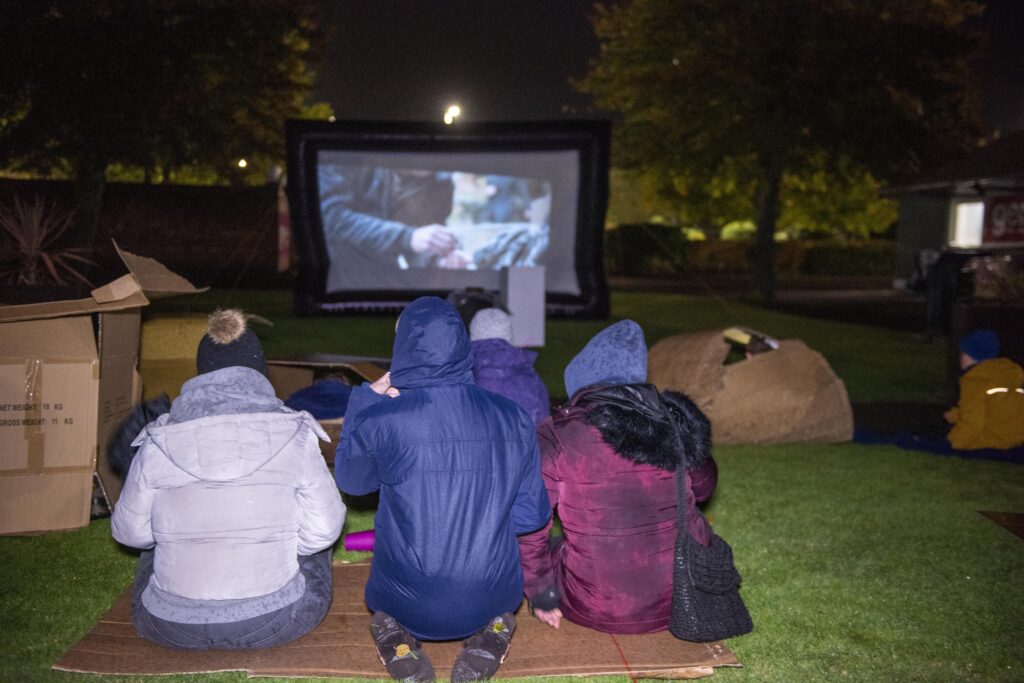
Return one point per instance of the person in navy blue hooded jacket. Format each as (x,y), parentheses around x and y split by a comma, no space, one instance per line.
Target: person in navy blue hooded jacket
(458,469)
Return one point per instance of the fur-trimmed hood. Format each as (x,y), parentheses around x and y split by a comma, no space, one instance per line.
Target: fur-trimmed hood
(648,427)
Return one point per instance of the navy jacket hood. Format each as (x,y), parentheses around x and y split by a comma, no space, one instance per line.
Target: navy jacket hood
(431,346)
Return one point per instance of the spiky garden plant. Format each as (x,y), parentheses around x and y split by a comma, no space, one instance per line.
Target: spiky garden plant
(30,251)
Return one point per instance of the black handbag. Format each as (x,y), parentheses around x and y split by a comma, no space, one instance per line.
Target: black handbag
(706,602)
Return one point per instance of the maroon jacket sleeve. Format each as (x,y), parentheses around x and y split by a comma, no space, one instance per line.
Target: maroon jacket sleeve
(535,548)
(696,525)
(703,479)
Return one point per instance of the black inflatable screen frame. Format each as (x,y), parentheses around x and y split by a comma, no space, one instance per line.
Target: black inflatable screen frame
(306,138)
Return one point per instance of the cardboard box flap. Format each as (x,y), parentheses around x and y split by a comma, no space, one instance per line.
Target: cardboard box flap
(368,367)
(147,278)
(60,309)
(288,375)
(118,290)
(155,278)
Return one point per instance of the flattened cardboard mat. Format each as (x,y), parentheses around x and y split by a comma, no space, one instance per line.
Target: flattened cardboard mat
(1011,521)
(340,647)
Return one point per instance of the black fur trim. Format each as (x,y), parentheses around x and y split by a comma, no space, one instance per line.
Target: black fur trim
(643,433)
(694,427)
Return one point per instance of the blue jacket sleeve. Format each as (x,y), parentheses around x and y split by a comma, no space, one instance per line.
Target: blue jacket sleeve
(531,509)
(340,190)
(355,463)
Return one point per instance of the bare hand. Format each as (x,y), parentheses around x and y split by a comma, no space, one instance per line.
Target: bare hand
(456,260)
(382,386)
(950,416)
(433,239)
(552,618)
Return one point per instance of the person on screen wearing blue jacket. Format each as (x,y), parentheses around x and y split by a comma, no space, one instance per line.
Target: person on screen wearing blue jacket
(458,469)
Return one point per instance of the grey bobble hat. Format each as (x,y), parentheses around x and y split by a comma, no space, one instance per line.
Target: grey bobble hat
(615,355)
(491,323)
(229,342)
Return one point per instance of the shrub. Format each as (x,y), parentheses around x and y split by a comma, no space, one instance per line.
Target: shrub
(875,257)
(658,250)
(644,249)
(30,252)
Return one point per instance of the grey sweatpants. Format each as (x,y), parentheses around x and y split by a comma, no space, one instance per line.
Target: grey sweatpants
(273,628)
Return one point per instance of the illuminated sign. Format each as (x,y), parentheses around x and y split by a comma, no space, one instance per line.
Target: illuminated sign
(1004,220)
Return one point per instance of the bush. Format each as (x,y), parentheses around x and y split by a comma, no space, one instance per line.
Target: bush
(876,257)
(644,249)
(658,250)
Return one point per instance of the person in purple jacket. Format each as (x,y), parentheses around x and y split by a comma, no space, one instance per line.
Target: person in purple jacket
(608,459)
(504,369)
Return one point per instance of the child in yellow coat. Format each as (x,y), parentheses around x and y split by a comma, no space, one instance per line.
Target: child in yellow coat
(990,412)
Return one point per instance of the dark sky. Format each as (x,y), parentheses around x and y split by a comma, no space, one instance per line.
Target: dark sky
(499,59)
(1001,71)
(512,59)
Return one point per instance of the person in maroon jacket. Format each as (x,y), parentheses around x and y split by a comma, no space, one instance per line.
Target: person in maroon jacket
(608,459)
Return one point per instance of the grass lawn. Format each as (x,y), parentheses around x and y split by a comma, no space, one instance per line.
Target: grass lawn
(859,563)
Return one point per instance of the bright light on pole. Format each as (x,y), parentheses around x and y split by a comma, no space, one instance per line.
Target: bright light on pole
(452,113)
(242,163)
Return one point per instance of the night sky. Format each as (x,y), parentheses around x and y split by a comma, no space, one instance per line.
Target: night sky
(507,60)
(500,60)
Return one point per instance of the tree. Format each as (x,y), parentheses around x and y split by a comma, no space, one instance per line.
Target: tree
(148,84)
(758,89)
(842,201)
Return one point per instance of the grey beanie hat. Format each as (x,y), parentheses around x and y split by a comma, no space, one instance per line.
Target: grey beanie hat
(615,355)
(491,323)
(228,342)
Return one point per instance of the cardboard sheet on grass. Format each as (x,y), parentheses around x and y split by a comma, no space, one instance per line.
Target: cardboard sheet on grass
(341,647)
(68,378)
(786,395)
(1011,521)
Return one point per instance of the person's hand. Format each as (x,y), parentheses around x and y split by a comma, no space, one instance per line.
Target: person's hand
(950,416)
(433,239)
(456,260)
(552,618)
(382,386)
(539,210)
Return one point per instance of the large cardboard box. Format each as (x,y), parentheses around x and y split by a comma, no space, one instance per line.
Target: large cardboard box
(68,379)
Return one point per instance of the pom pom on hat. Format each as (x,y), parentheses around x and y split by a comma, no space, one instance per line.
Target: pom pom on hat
(981,345)
(491,323)
(229,342)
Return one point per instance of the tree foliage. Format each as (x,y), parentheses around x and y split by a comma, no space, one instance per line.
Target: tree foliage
(151,85)
(842,201)
(757,90)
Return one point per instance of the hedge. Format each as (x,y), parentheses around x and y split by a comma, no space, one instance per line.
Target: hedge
(662,250)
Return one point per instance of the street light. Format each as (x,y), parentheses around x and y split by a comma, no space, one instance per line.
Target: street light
(452,113)
(242,163)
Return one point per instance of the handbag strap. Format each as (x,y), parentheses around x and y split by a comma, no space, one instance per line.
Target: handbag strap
(680,470)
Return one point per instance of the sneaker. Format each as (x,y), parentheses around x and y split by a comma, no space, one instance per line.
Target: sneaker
(399,652)
(484,651)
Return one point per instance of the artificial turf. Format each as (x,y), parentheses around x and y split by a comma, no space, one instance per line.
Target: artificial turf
(861,563)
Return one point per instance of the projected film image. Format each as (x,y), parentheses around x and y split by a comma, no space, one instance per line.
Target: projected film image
(380,220)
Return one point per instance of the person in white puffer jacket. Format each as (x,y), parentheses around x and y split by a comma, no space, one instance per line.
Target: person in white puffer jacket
(233,506)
